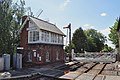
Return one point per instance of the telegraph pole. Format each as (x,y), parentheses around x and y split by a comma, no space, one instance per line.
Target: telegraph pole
(69,27)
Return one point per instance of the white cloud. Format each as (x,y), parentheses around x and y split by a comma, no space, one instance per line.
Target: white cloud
(103,14)
(110,44)
(105,31)
(88,26)
(66,2)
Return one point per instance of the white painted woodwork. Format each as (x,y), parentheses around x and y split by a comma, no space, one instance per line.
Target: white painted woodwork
(33,27)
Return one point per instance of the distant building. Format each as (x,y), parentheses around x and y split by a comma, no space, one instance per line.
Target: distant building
(42,41)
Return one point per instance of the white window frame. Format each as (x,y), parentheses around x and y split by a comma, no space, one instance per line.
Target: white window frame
(44,36)
(34,36)
(47,36)
(35,53)
(52,38)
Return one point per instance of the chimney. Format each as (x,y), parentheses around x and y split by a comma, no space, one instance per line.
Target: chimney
(24,18)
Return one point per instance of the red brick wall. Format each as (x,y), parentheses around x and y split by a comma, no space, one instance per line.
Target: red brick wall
(24,34)
(41,49)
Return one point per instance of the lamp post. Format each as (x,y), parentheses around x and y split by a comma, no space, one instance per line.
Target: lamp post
(69,27)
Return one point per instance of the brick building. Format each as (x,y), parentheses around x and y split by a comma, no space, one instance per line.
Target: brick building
(42,41)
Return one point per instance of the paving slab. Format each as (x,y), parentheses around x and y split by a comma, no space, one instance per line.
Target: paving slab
(71,75)
(112,78)
(109,67)
(105,72)
(100,77)
(95,71)
(98,66)
(88,65)
(85,67)
(85,76)
(81,69)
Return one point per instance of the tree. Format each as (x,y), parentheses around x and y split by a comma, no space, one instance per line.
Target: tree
(79,40)
(95,40)
(18,11)
(107,48)
(113,36)
(5,22)
(67,48)
(10,20)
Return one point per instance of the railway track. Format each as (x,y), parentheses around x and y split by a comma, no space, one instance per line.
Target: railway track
(80,70)
(93,71)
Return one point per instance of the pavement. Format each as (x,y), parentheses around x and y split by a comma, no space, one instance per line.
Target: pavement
(46,70)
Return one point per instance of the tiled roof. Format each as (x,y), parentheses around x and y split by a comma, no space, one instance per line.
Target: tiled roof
(44,25)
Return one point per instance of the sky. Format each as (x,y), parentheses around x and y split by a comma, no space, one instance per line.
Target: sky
(96,14)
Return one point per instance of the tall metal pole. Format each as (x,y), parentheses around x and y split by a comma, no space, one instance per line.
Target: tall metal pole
(70,55)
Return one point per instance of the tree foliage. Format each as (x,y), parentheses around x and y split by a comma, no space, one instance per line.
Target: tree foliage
(67,48)
(10,19)
(113,36)
(79,40)
(5,22)
(107,48)
(88,40)
(95,40)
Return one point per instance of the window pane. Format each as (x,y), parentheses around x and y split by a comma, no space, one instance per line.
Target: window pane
(47,36)
(34,36)
(30,36)
(37,36)
(42,36)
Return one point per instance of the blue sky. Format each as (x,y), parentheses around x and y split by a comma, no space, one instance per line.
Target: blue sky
(97,14)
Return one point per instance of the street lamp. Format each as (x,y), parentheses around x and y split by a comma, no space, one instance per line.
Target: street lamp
(69,27)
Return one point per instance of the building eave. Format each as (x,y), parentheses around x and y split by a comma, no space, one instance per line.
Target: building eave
(22,26)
